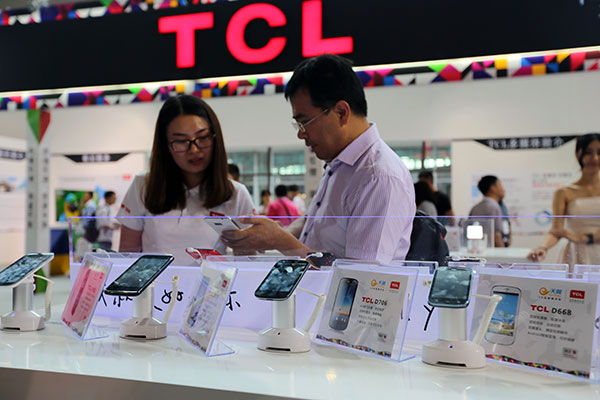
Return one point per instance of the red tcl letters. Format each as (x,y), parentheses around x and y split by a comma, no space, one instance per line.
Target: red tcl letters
(185,27)
(313,44)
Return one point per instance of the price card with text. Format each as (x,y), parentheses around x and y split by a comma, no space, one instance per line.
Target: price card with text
(542,323)
(364,307)
(84,296)
(202,317)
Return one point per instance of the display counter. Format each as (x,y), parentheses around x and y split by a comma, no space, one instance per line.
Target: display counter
(53,364)
(502,255)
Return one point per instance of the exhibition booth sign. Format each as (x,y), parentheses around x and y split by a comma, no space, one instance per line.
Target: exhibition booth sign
(250,37)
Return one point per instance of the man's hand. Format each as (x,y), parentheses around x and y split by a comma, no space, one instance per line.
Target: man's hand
(264,234)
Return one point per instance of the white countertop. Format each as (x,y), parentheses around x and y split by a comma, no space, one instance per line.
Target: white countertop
(323,373)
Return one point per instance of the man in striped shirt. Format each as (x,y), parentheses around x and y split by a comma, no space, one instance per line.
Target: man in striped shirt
(364,206)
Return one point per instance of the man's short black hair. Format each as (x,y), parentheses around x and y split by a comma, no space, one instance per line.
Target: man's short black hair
(329,79)
(293,188)
(108,194)
(486,183)
(234,171)
(427,175)
(281,191)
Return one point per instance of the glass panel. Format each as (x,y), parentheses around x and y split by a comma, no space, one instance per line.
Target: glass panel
(357,237)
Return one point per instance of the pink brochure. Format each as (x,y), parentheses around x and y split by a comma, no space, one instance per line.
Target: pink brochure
(84,294)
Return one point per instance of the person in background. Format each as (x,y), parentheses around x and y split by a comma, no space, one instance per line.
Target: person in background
(283,207)
(88,209)
(506,226)
(234,172)
(265,200)
(440,199)
(493,192)
(107,226)
(582,199)
(88,205)
(187,177)
(424,198)
(294,195)
(365,185)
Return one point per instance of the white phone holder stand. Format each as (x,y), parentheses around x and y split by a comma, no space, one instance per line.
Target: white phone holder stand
(23,317)
(283,336)
(453,349)
(143,325)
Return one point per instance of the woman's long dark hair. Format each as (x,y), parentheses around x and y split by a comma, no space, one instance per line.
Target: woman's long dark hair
(582,144)
(165,189)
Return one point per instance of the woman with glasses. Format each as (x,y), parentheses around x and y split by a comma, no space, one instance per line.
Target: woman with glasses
(187,177)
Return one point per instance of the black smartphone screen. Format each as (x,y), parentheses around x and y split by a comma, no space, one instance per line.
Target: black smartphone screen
(451,287)
(282,279)
(24,266)
(139,275)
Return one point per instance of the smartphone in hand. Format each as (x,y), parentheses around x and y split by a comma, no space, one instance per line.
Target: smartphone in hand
(221,224)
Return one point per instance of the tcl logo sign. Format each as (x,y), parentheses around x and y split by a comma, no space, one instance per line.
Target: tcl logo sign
(577,294)
(313,44)
(394,285)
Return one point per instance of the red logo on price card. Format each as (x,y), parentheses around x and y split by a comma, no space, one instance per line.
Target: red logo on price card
(395,285)
(577,294)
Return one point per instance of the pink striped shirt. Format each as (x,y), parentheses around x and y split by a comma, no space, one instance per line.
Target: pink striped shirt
(283,207)
(365,203)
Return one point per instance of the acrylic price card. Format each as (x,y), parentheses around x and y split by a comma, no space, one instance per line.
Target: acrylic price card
(203,315)
(365,308)
(544,322)
(83,299)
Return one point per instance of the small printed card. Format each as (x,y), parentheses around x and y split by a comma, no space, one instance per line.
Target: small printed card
(85,294)
(363,310)
(205,309)
(540,323)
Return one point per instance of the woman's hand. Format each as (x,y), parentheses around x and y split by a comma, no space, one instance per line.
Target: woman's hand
(577,237)
(537,255)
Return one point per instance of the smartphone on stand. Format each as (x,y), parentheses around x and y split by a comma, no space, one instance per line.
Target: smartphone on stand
(282,279)
(139,275)
(451,287)
(342,307)
(502,328)
(23,268)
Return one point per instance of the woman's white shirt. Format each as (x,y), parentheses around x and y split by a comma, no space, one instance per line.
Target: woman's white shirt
(173,232)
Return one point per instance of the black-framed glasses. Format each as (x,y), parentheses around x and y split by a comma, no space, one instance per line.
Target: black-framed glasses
(301,126)
(183,145)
